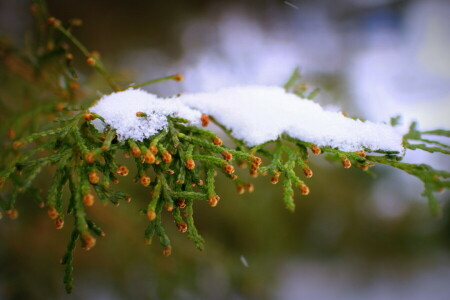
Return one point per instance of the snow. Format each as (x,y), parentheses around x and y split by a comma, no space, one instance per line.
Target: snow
(254,114)
(119,112)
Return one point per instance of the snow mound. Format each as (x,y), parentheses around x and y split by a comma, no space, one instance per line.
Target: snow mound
(119,112)
(254,114)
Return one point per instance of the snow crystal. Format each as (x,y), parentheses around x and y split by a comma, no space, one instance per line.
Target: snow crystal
(254,114)
(257,114)
(119,112)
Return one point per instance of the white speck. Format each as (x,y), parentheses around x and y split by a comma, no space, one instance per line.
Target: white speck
(244,261)
(290,4)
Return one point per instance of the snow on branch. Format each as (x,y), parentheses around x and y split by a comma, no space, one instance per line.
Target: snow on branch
(254,114)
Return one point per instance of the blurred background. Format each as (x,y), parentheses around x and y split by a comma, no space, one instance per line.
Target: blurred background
(353,237)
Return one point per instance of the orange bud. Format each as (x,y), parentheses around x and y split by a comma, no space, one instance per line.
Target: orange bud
(141,114)
(182,227)
(126,155)
(167,251)
(240,189)
(190,164)
(166,157)
(177,77)
(256,160)
(254,167)
(274,179)
(88,117)
(149,158)
(74,85)
(169,207)
(361,153)
(52,21)
(128,199)
(52,213)
(59,223)
(151,215)
(213,200)
(88,199)
(122,171)
(90,61)
(308,172)
(250,187)
(88,240)
(136,152)
(145,180)
(217,141)
(205,120)
(11,134)
(229,169)
(181,203)
(304,189)
(60,107)
(316,150)
(254,173)
(365,168)
(93,177)
(89,158)
(17,145)
(346,163)
(227,156)
(153,149)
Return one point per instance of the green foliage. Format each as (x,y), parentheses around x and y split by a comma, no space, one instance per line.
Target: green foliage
(178,166)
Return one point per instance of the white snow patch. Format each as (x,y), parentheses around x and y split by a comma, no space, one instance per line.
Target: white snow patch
(254,114)
(119,112)
(257,114)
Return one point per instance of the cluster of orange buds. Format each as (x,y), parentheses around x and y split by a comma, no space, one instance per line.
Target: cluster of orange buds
(12,213)
(93,177)
(213,200)
(205,120)
(145,180)
(52,213)
(190,164)
(229,169)
(88,240)
(122,171)
(256,162)
(304,189)
(88,199)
